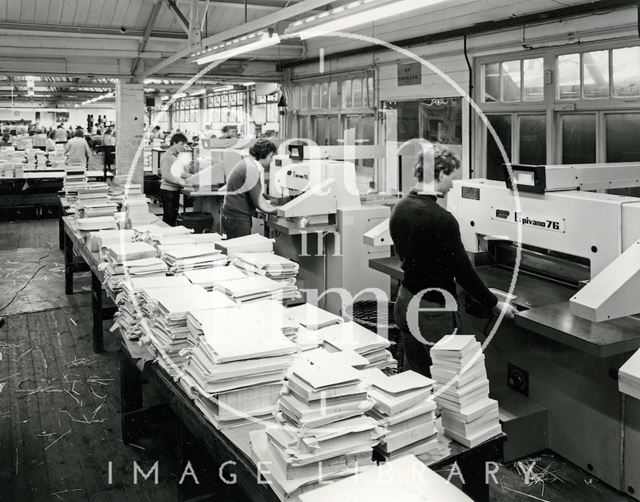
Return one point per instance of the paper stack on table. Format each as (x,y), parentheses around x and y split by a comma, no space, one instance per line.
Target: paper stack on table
(462,390)
(411,481)
(167,330)
(629,376)
(322,432)
(207,278)
(96,223)
(405,407)
(352,336)
(90,208)
(133,191)
(132,258)
(154,233)
(103,238)
(253,243)
(268,265)
(312,317)
(192,257)
(130,301)
(254,287)
(237,368)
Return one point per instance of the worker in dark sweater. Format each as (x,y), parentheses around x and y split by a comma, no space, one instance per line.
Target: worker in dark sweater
(244,190)
(427,239)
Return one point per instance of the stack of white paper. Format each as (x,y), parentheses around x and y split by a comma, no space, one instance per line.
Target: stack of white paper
(253,243)
(132,259)
(405,407)
(255,288)
(405,480)
(103,238)
(468,415)
(130,301)
(153,234)
(207,278)
(192,257)
(629,376)
(323,432)
(236,371)
(90,208)
(312,317)
(97,223)
(352,336)
(133,191)
(268,265)
(168,332)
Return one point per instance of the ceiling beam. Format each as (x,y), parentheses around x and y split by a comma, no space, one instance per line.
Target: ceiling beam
(182,20)
(147,33)
(256,25)
(251,4)
(81,31)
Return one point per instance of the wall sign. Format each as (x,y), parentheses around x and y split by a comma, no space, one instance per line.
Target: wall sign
(409,74)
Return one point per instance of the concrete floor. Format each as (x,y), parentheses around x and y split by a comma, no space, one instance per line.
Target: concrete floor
(47,385)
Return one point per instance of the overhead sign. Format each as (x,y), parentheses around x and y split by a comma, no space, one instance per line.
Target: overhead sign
(409,74)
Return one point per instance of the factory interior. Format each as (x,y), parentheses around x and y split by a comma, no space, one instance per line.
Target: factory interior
(319,250)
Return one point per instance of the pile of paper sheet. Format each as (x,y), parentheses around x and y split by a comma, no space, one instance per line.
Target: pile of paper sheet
(237,368)
(130,301)
(323,432)
(209,277)
(153,234)
(167,310)
(90,208)
(403,480)
(405,407)
(96,223)
(462,390)
(352,336)
(103,238)
(192,257)
(132,258)
(254,287)
(128,191)
(629,376)
(312,317)
(253,243)
(268,265)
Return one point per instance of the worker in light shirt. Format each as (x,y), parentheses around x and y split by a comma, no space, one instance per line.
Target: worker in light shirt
(77,149)
(174,170)
(244,190)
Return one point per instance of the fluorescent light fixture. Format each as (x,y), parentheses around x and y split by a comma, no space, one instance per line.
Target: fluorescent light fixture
(199,92)
(179,95)
(242,45)
(354,14)
(165,98)
(223,88)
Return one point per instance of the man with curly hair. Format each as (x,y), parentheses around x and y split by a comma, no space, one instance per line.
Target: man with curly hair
(427,240)
(244,190)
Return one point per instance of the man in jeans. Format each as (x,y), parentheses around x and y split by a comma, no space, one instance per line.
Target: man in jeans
(244,190)
(427,240)
(172,182)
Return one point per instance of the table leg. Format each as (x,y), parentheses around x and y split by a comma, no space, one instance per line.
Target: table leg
(68,265)
(98,315)
(61,233)
(130,397)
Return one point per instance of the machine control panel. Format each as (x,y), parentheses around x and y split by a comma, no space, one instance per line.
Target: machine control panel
(527,178)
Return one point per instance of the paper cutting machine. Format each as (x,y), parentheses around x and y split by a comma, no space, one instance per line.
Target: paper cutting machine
(554,369)
(321,224)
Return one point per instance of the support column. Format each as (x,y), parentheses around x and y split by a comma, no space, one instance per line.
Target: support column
(130,115)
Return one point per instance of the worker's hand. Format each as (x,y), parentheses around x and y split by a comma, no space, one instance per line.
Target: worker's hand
(182,183)
(509,310)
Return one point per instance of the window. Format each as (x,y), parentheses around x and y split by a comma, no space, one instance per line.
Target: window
(533,139)
(333,95)
(356,86)
(347,98)
(514,81)
(595,70)
(626,72)
(578,138)
(502,126)
(622,137)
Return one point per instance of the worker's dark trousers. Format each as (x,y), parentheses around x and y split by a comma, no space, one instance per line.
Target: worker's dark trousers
(236,226)
(170,204)
(422,329)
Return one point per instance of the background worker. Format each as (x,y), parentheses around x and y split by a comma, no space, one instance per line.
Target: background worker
(244,190)
(427,239)
(77,149)
(173,170)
